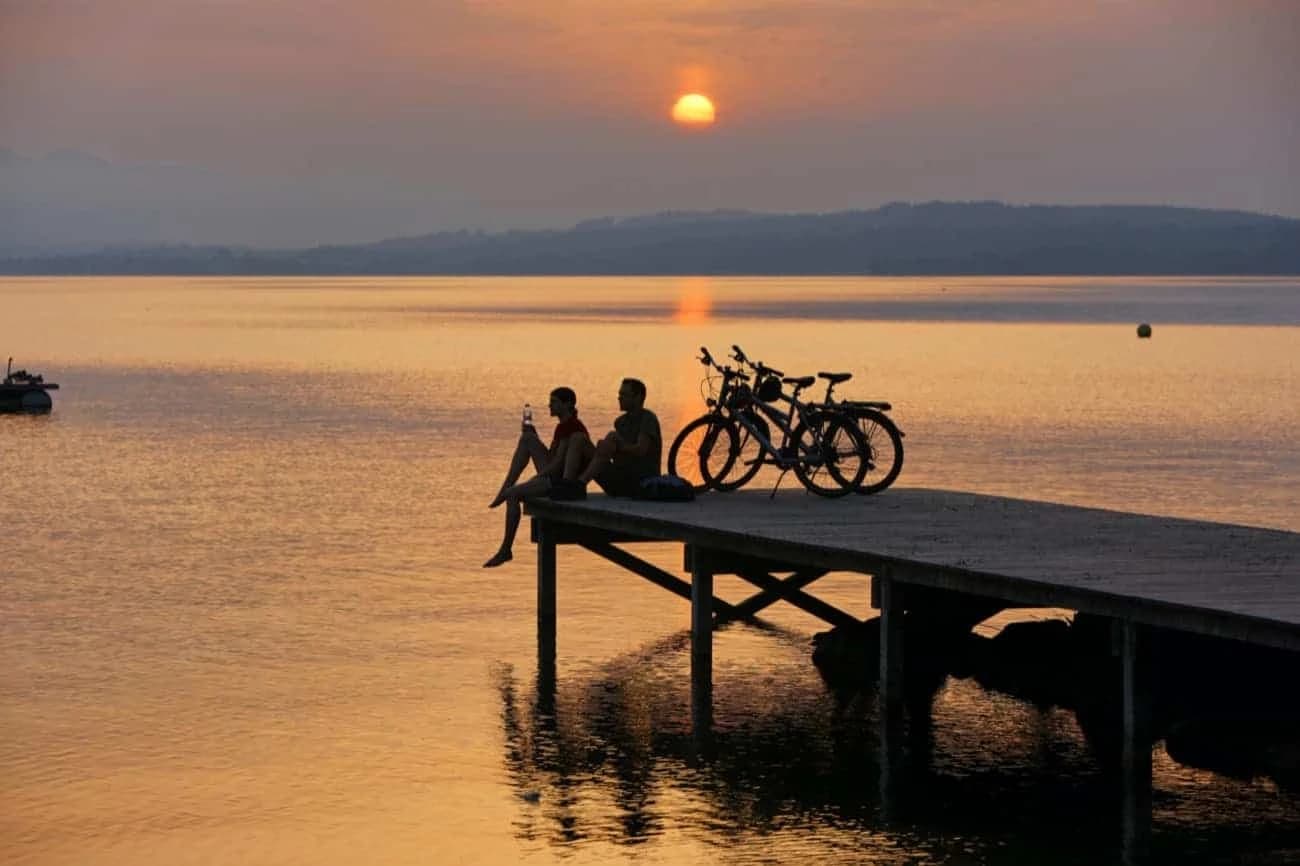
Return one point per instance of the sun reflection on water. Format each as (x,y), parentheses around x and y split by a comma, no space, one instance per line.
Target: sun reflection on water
(694,301)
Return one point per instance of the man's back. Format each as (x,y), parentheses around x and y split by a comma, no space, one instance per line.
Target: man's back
(630,426)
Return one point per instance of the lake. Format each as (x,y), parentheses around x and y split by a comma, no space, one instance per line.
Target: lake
(245,619)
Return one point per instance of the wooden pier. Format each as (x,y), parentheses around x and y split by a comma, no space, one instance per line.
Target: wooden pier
(1141,571)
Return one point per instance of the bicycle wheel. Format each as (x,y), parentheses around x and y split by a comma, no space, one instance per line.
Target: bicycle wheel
(698,456)
(749,455)
(884,450)
(831,455)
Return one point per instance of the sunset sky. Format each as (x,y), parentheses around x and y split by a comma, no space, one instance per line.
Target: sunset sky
(285,122)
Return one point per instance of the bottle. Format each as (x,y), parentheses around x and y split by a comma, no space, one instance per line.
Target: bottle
(528,416)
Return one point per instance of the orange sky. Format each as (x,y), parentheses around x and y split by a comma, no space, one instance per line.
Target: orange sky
(543,112)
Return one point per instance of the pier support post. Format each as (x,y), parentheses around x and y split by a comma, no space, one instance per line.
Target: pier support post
(891,646)
(889,597)
(701,641)
(1135,657)
(544,533)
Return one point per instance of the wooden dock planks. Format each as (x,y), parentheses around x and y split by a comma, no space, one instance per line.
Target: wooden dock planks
(1222,579)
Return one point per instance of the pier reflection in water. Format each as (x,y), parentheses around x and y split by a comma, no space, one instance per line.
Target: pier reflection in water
(622,754)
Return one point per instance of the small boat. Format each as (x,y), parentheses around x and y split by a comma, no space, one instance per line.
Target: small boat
(25,392)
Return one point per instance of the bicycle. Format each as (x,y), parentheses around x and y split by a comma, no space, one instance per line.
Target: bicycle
(772,378)
(824,449)
(883,438)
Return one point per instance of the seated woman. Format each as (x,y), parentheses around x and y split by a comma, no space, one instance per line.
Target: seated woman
(564,459)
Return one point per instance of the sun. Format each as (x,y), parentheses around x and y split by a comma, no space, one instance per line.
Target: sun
(694,109)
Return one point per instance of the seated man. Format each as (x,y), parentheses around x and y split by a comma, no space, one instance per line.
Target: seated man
(630,452)
(567,454)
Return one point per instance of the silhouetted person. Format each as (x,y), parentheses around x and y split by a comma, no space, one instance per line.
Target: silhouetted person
(569,451)
(630,452)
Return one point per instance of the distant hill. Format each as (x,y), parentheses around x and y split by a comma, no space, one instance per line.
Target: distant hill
(934,238)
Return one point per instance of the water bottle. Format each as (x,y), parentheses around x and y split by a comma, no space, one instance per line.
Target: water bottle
(528,416)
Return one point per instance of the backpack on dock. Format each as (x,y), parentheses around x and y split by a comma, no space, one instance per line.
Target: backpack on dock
(666,488)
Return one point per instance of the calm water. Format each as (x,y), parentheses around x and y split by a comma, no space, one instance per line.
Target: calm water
(244,619)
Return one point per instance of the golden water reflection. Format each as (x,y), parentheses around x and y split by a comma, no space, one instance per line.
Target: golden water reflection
(246,617)
(694,301)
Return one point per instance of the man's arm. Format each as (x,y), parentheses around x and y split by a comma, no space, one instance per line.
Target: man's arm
(619,445)
(640,448)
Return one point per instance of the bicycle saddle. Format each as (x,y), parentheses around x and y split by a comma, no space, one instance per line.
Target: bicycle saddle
(836,378)
(800,381)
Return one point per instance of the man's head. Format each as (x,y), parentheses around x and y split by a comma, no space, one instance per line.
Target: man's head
(631,394)
(563,402)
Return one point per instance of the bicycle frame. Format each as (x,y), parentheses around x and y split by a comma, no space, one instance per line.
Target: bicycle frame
(882,440)
(780,455)
(725,409)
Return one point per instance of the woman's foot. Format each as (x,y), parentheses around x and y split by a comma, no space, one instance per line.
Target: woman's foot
(500,497)
(501,558)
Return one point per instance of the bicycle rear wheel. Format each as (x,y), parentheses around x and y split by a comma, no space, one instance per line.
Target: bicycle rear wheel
(884,449)
(832,455)
(703,452)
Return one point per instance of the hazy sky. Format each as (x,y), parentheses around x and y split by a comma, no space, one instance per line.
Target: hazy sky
(277,122)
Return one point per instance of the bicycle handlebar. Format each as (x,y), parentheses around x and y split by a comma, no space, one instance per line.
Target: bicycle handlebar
(758,366)
(707,360)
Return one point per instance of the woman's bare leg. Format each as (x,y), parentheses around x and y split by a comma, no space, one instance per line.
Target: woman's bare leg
(529,448)
(513,496)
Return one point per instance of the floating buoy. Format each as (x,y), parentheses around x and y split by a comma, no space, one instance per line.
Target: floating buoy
(1144,330)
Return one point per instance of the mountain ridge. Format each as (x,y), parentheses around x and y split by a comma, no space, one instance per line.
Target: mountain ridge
(900,238)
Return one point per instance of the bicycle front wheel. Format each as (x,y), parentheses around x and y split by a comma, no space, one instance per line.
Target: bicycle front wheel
(703,452)
(749,455)
(884,450)
(831,455)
